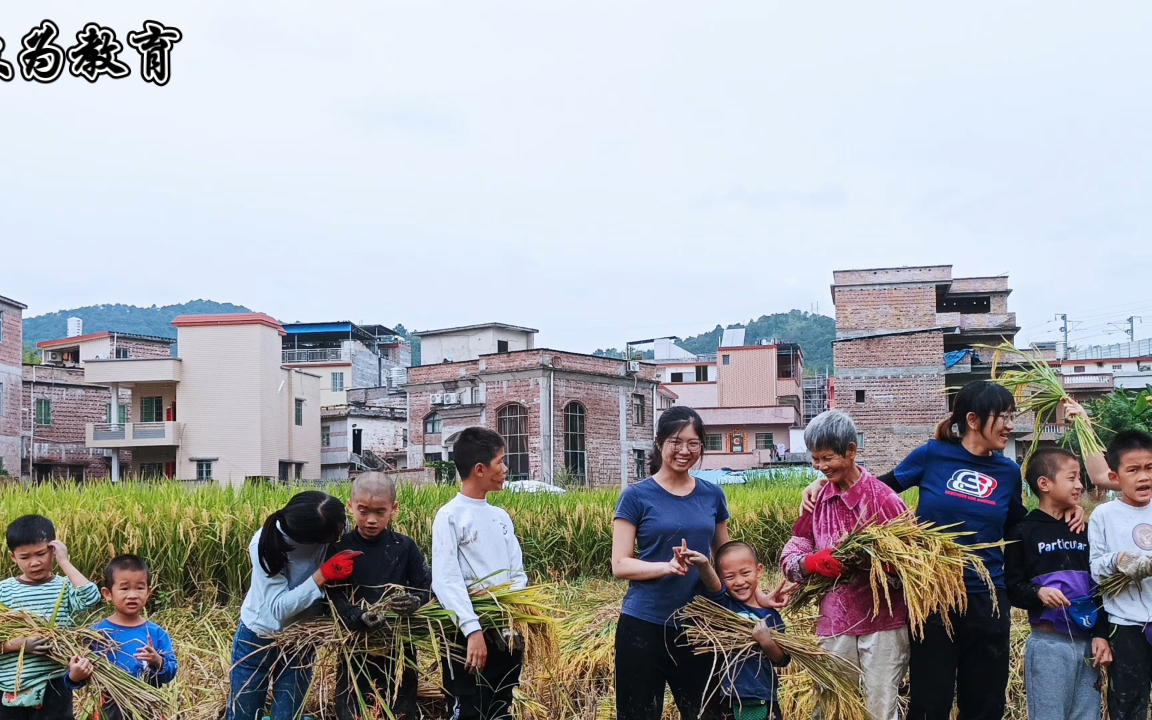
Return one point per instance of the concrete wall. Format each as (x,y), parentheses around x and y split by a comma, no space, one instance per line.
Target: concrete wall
(471,344)
(328,398)
(365,366)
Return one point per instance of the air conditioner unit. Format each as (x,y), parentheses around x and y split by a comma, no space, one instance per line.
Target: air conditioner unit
(633,366)
(451,398)
(437,399)
(52,356)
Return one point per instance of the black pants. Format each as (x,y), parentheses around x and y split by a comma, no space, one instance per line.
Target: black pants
(648,656)
(486,695)
(57,705)
(971,666)
(1130,675)
(374,676)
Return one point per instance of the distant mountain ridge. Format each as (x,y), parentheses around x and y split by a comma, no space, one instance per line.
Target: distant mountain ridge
(120,318)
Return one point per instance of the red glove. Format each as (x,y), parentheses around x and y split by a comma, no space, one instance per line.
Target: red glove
(822,563)
(339,566)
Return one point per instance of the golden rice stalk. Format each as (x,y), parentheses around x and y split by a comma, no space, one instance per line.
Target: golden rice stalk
(925,560)
(1115,584)
(715,630)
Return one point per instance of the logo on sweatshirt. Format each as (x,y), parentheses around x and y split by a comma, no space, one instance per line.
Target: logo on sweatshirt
(1142,536)
(971,485)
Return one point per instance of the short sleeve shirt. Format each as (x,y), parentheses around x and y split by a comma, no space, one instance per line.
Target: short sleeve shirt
(662,521)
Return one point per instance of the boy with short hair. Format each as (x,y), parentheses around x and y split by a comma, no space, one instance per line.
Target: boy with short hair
(136,645)
(1048,572)
(45,686)
(388,559)
(749,690)
(474,546)
(1120,538)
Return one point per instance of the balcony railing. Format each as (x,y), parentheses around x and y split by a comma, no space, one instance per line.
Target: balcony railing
(123,435)
(1053,429)
(1087,380)
(314,355)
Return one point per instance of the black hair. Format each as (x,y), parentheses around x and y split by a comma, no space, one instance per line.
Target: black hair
(980,397)
(1046,462)
(310,518)
(29,530)
(729,547)
(476,446)
(127,563)
(674,419)
(1124,442)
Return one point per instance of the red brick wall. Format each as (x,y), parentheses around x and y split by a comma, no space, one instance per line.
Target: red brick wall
(931,273)
(877,309)
(12,349)
(914,350)
(143,349)
(74,405)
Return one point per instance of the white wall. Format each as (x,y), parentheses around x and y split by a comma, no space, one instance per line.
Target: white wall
(471,344)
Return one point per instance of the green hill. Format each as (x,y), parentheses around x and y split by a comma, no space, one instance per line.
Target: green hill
(153,320)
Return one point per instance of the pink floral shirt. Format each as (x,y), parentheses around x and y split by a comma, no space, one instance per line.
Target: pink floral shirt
(848,609)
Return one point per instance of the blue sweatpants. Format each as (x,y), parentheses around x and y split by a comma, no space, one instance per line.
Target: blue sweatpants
(1059,679)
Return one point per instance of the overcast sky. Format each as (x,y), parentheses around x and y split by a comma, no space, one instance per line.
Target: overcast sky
(600,171)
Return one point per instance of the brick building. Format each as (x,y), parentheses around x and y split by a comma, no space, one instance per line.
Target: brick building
(370,432)
(588,417)
(904,335)
(11,409)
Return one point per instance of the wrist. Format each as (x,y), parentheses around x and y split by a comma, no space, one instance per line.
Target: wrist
(318,578)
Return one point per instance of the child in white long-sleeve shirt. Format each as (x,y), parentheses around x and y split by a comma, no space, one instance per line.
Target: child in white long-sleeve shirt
(474,546)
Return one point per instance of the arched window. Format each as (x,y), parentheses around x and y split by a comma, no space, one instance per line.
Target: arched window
(432,424)
(575,455)
(512,424)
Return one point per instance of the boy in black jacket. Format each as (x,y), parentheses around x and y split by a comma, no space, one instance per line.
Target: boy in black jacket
(1048,573)
(388,559)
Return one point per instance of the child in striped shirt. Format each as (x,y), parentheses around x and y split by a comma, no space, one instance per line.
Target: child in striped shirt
(33,685)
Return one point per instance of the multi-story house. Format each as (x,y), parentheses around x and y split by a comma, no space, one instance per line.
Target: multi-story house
(11,356)
(369,433)
(589,419)
(904,336)
(226,409)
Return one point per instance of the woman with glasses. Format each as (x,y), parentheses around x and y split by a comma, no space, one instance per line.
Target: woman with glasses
(656,519)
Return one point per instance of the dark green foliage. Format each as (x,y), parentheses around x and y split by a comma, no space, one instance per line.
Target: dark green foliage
(153,320)
(1120,410)
(31,355)
(413,341)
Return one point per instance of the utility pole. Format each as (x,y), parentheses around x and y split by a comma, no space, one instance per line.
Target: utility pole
(1132,328)
(1064,318)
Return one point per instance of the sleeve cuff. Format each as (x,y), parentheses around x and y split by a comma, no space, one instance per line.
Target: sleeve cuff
(470,627)
(72,685)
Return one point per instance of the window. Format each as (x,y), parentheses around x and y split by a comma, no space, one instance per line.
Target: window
(43,411)
(123,354)
(859,441)
(737,442)
(714,443)
(151,470)
(151,409)
(575,456)
(512,423)
(203,469)
(640,458)
(325,436)
(2,399)
(1078,368)
(859,396)
(764,441)
(701,373)
(637,409)
(501,346)
(1,327)
(726,359)
(122,414)
(1117,367)
(299,411)
(432,424)
(337,382)
(433,457)
(677,377)
(404,437)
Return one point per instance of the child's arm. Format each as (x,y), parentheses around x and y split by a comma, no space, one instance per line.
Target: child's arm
(703,565)
(1022,592)
(763,635)
(60,551)
(1103,563)
(519,578)
(447,579)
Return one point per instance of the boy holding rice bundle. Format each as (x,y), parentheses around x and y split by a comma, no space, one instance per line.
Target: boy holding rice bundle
(1120,538)
(849,625)
(474,546)
(750,689)
(34,686)
(1048,573)
(387,559)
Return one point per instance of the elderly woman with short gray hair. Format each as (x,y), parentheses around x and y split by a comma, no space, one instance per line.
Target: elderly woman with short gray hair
(877,642)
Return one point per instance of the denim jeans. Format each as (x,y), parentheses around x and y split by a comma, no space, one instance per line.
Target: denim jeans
(255,667)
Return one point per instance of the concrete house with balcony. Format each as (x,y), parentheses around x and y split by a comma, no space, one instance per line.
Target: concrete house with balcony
(11,408)
(226,410)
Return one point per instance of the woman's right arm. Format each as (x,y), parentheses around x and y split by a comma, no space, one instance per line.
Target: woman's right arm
(278,600)
(625,565)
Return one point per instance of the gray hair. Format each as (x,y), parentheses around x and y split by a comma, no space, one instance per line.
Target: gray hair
(374,484)
(830,430)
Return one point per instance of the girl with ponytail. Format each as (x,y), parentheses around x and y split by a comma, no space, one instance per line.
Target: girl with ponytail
(288,572)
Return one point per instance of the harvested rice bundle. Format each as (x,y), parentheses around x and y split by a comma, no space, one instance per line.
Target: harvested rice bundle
(137,699)
(926,561)
(713,629)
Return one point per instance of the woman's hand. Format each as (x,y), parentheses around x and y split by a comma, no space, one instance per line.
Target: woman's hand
(808,497)
(690,557)
(1074,516)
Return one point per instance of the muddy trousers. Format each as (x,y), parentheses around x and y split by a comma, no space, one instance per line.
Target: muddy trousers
(1130,675)
(971,667)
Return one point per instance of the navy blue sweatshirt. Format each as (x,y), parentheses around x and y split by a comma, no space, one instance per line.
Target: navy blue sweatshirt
(389,559)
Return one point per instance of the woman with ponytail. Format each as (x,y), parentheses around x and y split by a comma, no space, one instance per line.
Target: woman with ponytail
(288,572)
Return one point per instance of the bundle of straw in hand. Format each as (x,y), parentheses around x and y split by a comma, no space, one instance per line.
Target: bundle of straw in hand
(137,699)
(926,560)
(715,630)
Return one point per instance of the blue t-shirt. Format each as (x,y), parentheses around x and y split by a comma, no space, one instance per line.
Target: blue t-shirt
(125,641)
(982,493)
(662,520)
(755,679)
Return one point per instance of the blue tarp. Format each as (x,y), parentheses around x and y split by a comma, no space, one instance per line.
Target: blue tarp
(721,477)
(957,356)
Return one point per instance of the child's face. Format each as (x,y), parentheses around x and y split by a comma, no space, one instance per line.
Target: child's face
(1134,474)
(492,475)
(740,574)
(1064,487)
(35,561)
(129,592)
(372,514)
